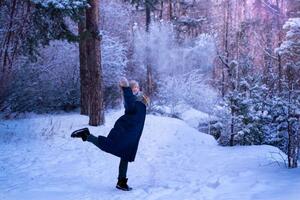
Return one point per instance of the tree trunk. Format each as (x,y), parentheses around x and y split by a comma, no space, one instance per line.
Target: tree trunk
(279,72)
(148,16)
(149,68)
(223,81)
(7,49)
(293,143)
(95,91)
(84,80)
(231,142)
(7,41)
(279,29)
(226,45)
(170,10)
(161,9)
(149,80)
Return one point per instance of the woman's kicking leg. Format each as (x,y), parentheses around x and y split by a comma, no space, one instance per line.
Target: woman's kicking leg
(81,133)
(85,135)
(93,139)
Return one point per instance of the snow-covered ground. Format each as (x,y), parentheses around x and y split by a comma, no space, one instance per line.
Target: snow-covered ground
(187,113)
(195,117)
(39,160)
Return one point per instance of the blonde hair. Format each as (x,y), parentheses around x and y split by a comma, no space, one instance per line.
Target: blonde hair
(133,83)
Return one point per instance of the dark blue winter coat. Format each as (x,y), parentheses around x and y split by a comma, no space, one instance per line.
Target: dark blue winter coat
(124,137)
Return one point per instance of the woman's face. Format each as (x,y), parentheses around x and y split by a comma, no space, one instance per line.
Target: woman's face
(135,89)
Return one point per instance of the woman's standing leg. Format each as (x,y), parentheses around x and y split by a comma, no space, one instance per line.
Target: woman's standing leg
(123,166)
(123,169)
(122,180)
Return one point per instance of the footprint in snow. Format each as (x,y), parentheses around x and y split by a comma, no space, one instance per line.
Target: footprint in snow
(213,184)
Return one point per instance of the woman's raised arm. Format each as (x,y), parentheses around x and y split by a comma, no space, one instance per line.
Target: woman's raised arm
(129,98)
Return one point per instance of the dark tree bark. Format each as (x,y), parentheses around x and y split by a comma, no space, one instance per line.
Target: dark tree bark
(149,68)
(225,59)
(84,80)
(7,42)
(279,61)
(13,33)
(170,10)
(95,86)
(293,137)
(148,14)
(161,9)
(229,68)
(149,80)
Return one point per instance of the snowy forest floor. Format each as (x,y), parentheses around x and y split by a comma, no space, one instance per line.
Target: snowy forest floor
(39,160)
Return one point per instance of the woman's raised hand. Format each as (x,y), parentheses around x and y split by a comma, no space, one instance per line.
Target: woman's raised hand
(123,82)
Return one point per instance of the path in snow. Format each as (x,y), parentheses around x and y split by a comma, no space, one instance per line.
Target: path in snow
(174,161)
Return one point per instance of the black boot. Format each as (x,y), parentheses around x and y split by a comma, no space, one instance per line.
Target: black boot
(122,184)
(81,133)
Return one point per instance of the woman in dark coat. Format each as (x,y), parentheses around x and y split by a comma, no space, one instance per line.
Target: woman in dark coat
(123,139)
